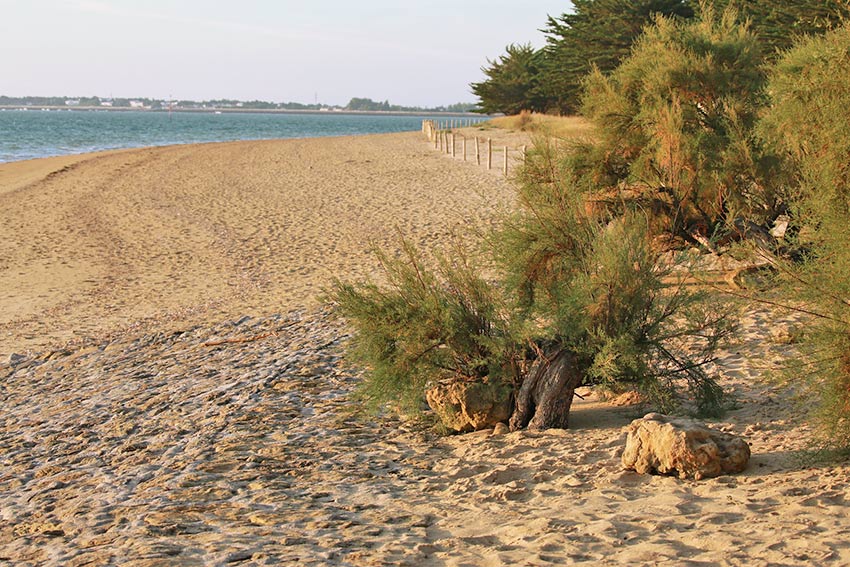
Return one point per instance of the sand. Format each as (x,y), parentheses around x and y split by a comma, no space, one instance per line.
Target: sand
(91,243)
(201,413)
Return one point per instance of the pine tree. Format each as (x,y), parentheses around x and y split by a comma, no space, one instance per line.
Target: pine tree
(598,33)
(511,84)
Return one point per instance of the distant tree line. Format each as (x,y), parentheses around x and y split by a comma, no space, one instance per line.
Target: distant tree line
(369,105)
(599,34)
(62,100)
(361,104)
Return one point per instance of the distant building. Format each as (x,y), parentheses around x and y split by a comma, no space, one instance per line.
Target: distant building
(136,104)
(106,103)
(72,102)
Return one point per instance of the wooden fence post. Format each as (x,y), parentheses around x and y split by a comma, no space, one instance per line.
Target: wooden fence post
(506,161)
(489,153)
(464,147)
(453,143)
(477,152)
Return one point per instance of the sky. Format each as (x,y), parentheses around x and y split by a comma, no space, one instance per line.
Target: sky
(410,52)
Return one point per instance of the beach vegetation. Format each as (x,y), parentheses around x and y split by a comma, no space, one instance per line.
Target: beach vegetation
(676,124)
(426,324)
(597,34)
(706,125)
(512,82)
(600,34)
(807,124)
(591,283)
(779,24)
(544,125)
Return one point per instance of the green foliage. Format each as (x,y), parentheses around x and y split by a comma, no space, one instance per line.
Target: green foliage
(808,119)
(425,325)
(779,24)
(808,123)
(676,119)
(595,285)
(598,33)
(367,104)
(511,83)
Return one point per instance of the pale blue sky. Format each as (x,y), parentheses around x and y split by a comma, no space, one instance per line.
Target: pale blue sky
(410,52)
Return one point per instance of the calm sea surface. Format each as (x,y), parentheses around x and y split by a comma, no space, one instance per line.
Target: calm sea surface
(35,133)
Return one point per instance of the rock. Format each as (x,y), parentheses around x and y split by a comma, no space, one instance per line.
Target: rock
(15,359)
(470,406)
(667,445)
(501,429)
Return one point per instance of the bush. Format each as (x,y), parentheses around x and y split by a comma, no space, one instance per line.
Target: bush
(808,119)
(425,325)
(594,285)
(573,281)
(808,124)
(679,113)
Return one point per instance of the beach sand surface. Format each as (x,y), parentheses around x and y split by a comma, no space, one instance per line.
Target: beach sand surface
(93,243)
(201,413)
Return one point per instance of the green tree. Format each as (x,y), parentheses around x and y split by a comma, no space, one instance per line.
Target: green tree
(595,298)
(778,24)
(367,104)
(598,33)
(511,84)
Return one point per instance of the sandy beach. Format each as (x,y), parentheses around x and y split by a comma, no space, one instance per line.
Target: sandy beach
(173,393)
(204,232)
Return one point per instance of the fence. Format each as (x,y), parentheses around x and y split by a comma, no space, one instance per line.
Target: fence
(442,134)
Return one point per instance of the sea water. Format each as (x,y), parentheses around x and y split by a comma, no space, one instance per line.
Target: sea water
(27,134)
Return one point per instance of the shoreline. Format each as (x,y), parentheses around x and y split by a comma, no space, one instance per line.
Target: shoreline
(84,155)
(156,132)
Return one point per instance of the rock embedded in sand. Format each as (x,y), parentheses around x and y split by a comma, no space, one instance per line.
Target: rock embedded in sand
(15,359)
(665,445)
(470,406)
(501,429)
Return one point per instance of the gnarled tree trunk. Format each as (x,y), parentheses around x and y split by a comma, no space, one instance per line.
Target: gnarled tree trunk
(545,397)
